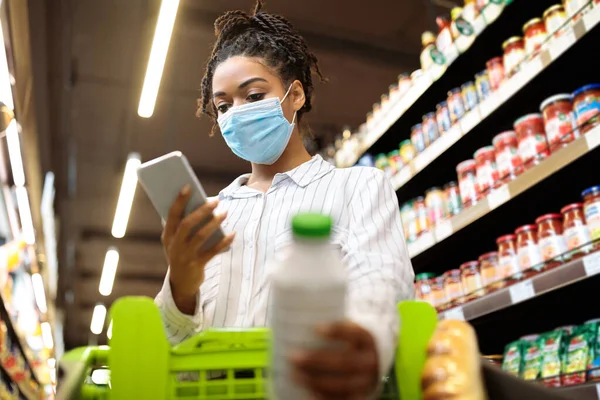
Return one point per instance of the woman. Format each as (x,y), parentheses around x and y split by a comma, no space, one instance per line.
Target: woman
(257,87)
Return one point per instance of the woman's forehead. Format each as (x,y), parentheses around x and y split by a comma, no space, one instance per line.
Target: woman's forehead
(234,71)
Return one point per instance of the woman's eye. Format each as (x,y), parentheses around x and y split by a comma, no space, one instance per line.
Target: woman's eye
(223,108)
(256,96)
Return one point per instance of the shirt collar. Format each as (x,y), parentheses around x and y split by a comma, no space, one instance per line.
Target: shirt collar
(302,175)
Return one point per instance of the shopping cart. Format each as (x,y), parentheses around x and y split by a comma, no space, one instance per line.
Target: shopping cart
(225,364)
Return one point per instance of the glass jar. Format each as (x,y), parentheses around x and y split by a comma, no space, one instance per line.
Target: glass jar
(469,94)
(416,75)
(456,105)
(550,236)
(452,199)
(533,146)
(423,223)
(528,251)
(444,37)
(408,215)
(442,116)
(384,101)
(438,291)
(418,138)
(483,85)
(495,69)
(591,210)
(393,93)
(453,285)
(423,283)
(407,151)
(404,84)
(514,53)
(508,161)
(488,266)
(575,8)
(370,120)
(586,102)
(376,111)
(434,199)
(559,120)
(508,261)
(535,34)
(471,278)
(575,231)
(430,128)
(486,172)
(428,42)
(395,160)
(467,182)
(455,14)
(554,19)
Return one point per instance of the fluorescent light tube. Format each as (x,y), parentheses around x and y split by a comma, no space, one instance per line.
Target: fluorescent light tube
(98,317)
(158,55)
(14,153)
(25,215)
(5,78)
(109,270)
(47,335)
(126,195)
(39,292)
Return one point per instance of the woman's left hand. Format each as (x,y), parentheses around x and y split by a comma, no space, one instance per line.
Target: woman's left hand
(349,372)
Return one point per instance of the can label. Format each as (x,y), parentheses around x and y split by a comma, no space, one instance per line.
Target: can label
(552,246)
(561,128)
(576,236)
(529,255)
(592,217)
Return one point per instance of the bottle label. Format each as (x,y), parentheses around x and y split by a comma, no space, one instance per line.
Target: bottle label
(532,146)
(552,246)
(512,60)
(509,266)
(486,175)
(592,217)
(560,128)
(529,256)
(467,188)
(576,236)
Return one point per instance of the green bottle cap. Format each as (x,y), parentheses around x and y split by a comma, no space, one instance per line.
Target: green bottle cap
(311,225)
(425,275)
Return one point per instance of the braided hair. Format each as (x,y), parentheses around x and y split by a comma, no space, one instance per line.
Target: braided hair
(267,36)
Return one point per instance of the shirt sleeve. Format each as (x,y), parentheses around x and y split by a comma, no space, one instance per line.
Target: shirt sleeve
(379,268)
(178,326)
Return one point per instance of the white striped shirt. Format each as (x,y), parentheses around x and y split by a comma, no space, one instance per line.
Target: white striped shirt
(367,228)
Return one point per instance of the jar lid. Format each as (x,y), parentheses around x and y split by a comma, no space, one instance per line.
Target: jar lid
(404,75)
(384,96)
(393,86)
(554,99)
(506,238)
(442,105)
(512,40)
(550,10)
(429,115)
(491,254)
(571,207)
(531,22)
(484,151)
(467,164)
(419,199)
(495,60)
(468,265)
(590,190)
(417,126)
(405,143)
(507,136)
(527,118)
(548,216)
(454,91)
(594,86)
(425,275)
(451,272)
(525,228)
(467,85)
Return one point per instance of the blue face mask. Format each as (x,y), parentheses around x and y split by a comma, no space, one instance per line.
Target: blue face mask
(257,132)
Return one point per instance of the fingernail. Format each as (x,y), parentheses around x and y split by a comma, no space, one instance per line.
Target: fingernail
(186,190)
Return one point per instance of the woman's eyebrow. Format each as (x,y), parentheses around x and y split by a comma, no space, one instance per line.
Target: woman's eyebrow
(242,85)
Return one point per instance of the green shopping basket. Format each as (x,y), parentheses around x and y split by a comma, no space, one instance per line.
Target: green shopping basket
(223,364)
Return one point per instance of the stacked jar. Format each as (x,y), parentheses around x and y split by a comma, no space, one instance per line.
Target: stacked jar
(550,237)
(486,171)
(467,182)
(531,136)
(559,120)
(508,161)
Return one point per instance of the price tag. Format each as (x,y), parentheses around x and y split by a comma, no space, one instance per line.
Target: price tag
(443,230)
(591,264)
(401,177)
(469,121)
(521,291)
(560,44)
(593,137)
(498,197)
(455,313)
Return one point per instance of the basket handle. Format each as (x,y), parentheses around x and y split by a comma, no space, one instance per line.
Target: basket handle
(74,366)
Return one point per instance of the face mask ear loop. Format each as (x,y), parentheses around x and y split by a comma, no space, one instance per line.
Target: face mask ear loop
(286,93)
(294,117)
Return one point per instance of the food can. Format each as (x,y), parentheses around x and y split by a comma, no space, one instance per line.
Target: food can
(456,105)
(483,85)
(418,138)
(443,118)
(469,93)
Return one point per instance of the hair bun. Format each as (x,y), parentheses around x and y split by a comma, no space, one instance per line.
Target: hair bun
(231,22)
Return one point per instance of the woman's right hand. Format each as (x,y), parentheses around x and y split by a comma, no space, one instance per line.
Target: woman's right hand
(182,249)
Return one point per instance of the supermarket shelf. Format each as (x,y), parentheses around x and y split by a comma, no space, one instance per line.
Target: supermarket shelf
(527,289)
(588,391)
(496,198)
(554,49)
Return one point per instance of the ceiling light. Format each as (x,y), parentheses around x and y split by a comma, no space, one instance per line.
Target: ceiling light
(5,78)
(25,215)
(47,335)
(126,195)
(98,317)
(39,292)
(158,55)
(14,153)
(109,271)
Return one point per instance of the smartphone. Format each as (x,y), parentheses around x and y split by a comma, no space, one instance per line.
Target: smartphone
(163,178)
